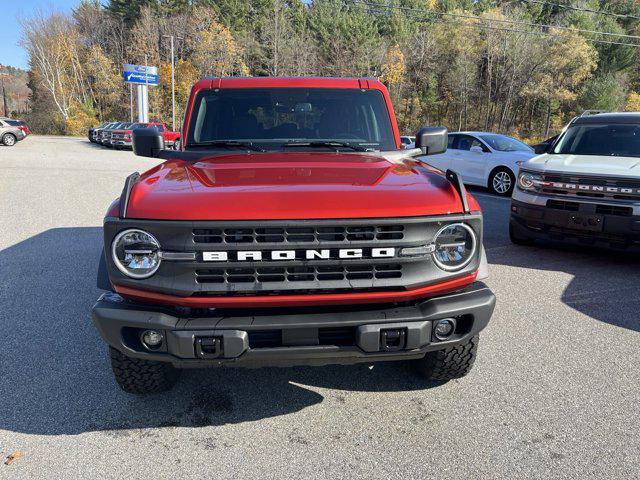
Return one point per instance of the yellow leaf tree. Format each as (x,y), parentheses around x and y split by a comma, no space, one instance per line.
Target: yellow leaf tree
(217,53)
(394,67)
(633,102)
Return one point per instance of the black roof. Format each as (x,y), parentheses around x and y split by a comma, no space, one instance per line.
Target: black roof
(609,118)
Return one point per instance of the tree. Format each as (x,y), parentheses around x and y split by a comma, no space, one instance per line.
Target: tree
(606,92)
(217,53)
(54,55)
(558,80)
(633,102)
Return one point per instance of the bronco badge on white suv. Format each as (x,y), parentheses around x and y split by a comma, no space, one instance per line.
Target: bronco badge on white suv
(586,188)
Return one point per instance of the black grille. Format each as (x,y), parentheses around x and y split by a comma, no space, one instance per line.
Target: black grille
(330,256)
(337,336)
(614,210)
(341,336)
(298,273)
(300,234)
(265,338)
(562,205)
(600,209)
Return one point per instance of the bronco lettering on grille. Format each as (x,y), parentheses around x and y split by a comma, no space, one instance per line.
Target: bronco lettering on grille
(595,188)
(275,255)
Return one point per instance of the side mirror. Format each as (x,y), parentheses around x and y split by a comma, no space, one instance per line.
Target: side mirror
(476,149)
(541,148)
(432,140)
(147,142)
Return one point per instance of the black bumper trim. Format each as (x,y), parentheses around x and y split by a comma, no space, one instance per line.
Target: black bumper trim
(113,316)
(619,232)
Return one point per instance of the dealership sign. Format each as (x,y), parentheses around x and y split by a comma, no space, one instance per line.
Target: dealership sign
(140,75)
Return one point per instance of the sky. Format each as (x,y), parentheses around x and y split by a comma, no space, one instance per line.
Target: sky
(10,52)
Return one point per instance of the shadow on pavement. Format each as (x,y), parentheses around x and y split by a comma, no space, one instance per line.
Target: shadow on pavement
(57,379)
(605,284)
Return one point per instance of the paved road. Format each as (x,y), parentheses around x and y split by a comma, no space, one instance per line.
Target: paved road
(554,393)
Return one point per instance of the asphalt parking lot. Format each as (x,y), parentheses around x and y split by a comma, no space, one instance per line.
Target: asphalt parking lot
(554,393)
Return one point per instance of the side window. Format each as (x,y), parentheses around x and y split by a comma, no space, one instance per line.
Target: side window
(465,142)
(451,141)
(160,128)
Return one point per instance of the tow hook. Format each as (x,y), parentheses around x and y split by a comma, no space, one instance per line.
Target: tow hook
(393,339)
(209,347)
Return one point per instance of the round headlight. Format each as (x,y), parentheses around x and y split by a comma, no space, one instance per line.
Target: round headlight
(526,180)
(135,253)
(455,246)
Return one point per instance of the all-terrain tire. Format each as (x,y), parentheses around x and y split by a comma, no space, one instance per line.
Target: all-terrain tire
(142,376)
(449,363)
(9,139)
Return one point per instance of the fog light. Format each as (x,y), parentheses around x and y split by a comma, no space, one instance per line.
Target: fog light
(444,328)
(151,339)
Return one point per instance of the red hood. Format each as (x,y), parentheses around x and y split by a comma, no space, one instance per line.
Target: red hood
(273,186)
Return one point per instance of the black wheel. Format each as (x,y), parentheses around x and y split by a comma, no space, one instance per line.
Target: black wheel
(518,239)
(449,363)
(142,376)
(9,139)
(501,182)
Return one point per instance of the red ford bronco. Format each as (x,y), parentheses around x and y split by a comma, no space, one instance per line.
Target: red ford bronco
(290,229)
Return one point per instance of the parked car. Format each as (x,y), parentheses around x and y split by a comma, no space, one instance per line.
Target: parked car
(302,236)
(586,189)
(96,132)
(122,138)
(486,159)
(407,141)
(12,131)
(100,133)
(107,139)
(91,133)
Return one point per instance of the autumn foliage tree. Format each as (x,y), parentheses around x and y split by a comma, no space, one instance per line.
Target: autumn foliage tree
(458,63)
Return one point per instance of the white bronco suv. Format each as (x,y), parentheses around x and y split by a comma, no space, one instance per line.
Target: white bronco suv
(586,188)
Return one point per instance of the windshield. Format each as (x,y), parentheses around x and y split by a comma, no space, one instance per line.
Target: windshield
(271,118)
(594,139)
(502,143)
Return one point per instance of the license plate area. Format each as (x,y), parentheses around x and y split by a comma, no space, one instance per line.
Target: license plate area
(590,223)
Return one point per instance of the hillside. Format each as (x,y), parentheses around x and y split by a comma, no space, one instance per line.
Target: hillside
(17,92)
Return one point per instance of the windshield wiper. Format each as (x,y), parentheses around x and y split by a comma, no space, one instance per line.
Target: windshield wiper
(357,148)
(227,143)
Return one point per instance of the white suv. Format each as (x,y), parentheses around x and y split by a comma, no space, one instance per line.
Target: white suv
(586,188)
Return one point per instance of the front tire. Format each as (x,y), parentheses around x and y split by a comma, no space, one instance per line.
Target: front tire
(502,181)
(9,139)
(449,363)
(142,377)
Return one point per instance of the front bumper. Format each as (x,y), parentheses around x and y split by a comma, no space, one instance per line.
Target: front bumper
(620,231)
(286,337)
